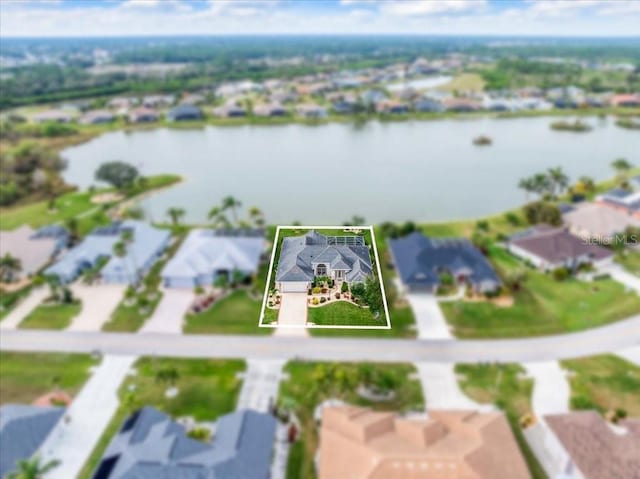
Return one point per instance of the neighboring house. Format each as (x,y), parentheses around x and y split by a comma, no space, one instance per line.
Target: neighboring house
(150,445)
(143,115)
(582,445)
(625,100)
(548,248)
(392,107)
(311,111)
(344,107)
(302,258)
(360,443)
(427,105)
(155,101)
(184,112)
(122,103)
(56,116)
(97,117)
(34,249)
(598,221)
(146,247)
(372,97)
(230,111)
(461,105)
(421,260)
(269,110)
(621,199)
(23,429)
(207,254)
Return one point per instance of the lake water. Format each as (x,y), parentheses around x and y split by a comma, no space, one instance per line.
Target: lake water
(419,170)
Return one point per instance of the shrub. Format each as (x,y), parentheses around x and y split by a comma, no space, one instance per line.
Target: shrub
(323,299)
(337,295)
(309,291)
(482,225)
(315,301)
(542,212)
(446,279)
(317,290)
(200,434)
(560,274)
(324,290)
(344,288)
(512,219)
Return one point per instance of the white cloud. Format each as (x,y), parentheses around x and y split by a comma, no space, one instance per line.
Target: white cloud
(430,7)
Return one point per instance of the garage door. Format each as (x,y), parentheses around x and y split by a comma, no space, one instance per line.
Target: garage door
(293,287)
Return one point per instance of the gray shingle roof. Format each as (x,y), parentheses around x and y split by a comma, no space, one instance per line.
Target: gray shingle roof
(420,259)
(150,445)
(23,429)
(298,254)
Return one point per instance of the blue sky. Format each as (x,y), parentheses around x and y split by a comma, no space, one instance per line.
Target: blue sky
(179,17)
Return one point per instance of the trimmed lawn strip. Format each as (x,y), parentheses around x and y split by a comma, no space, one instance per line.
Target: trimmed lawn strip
(542,306)
(9,300)
(502,386)
(207,388)
(343,313)
(605,383)
(27,376)
(237,313)
(57,316)
(311,383)
(630,261)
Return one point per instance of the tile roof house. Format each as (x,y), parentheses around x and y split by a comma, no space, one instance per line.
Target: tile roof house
(96,117)
(302,258)
(23,430)
(184,112)
(598,221)
(34,249)
(143,114)
(584,446)
(360,443)
(623,200)
(549,248)
(147,245)
(206,254)
(420,260)
(150,445)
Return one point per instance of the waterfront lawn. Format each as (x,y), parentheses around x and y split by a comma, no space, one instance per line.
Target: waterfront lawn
(309,384)
(464,82)
(605,383)
(207,389)
(55,316)
(542,306)
(237,313)
(504,386)
(27,376)
(630,261)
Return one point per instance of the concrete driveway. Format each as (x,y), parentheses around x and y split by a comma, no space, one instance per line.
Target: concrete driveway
(293,310)
(260,384)
(22,310)
(631,354)
(74,437)
(621,275)
(430,321)
(441,390)
(98,302)
(551,390)
(169,314)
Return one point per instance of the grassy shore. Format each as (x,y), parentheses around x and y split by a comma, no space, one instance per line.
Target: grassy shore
(27,376)
(207,389)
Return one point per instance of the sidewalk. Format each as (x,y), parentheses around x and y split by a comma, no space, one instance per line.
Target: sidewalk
(22,310)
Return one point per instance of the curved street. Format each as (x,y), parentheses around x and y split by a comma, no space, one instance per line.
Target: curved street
(611,338)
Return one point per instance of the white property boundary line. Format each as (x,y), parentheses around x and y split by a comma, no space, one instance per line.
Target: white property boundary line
(273,256)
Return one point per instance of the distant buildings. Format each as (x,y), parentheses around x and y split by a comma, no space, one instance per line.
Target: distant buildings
(363,444)
(230,111)
(97,117)
(34,249)
(421,260)
(184,112)
(23,430)
(625,100)
(146,246)
(623,200)
(143,115)
(55,116)
(151,445)
(269,110)
(548,248)
(311,111)
(206,254)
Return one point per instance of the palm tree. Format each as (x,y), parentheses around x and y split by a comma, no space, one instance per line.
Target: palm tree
(527,185)
(10,266)
(231,203)
(54,286)
(541,184)
(256,216)
(559,180)
(587,183)
(33,468)
(622,167)
(74,230)
(219,218)
(176,214)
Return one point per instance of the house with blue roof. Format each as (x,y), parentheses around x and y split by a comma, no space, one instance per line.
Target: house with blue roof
(146,246)
(622,199)
(421,260)
(206,254)
(150,445)
(184,112)
(302,258)
(23,430)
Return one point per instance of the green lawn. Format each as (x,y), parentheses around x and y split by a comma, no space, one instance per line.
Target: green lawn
(604,383)
(9,300)
(630,261)
(343,313)
(237,313)
(311,383)
(27,376)
(503,386)
(207,389)
(543,306)
(70,205)
(56,316)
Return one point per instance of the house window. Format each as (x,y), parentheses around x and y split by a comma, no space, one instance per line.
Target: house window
(321,270)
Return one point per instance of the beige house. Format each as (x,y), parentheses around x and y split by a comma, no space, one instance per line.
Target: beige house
(357,443)
(598,221)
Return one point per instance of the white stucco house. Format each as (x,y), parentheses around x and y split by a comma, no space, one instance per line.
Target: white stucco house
(302,258)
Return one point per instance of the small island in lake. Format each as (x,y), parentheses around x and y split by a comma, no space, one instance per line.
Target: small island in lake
(576,126)
(482,141)
(629,123)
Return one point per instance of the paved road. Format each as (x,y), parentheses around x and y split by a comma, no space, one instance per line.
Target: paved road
(614,337)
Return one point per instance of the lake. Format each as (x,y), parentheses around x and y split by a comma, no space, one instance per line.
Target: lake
(418,170)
